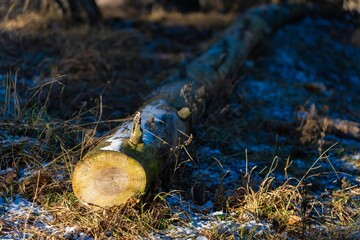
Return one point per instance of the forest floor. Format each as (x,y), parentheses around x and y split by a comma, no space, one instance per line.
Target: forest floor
(264,162)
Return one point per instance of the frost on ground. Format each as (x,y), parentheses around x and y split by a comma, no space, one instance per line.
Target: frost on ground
(305,64)
(22,219)
(200,222)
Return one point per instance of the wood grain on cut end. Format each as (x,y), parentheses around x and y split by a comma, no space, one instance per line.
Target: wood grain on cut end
(108,178)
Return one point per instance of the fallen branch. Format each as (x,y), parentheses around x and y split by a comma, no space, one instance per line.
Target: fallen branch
(342,127)
(124,165)
(311,125)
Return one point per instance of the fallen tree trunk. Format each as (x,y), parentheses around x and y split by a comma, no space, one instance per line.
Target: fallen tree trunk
(124,165)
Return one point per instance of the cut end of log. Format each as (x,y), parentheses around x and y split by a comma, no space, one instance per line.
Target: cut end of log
(108,178)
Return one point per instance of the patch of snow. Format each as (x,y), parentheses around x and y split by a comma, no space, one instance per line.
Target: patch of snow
(73,233)
(5,171)
(356,156)
(70,230)
(116,140)
(286,70)
(197,223)
(124,132)
(350,161)
(201,238)
(23,217)
(17,212)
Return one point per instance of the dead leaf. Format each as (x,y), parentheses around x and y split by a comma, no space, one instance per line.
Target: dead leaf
(293,219)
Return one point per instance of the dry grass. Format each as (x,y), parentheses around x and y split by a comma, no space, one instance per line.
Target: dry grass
(198,20)
(125,222)
(293,210)
(39,150)
(40,153)
(23,21)
(48,147)
(95,60)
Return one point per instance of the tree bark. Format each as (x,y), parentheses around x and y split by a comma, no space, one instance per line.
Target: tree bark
(124,165)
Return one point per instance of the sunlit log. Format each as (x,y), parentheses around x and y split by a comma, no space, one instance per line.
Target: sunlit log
(124,165)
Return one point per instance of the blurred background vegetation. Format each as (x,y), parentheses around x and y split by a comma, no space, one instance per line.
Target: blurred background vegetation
(77,8)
